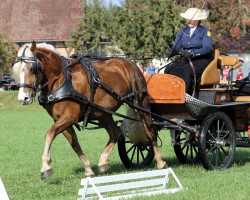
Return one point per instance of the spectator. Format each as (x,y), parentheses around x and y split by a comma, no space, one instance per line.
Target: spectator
(239,75)
(226,73)
(151,69)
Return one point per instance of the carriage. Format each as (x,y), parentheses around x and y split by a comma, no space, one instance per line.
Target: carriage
(206,126)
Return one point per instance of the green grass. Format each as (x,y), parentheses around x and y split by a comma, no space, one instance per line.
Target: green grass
(22,131)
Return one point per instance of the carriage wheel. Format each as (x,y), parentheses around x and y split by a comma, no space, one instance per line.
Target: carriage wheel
(186,152)
(132,155)
(217,141)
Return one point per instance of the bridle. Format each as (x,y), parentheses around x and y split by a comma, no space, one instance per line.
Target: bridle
(36,70)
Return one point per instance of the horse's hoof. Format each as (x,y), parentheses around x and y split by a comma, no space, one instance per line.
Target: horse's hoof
(162,166)
(90,174)
(45,174)
(103,168)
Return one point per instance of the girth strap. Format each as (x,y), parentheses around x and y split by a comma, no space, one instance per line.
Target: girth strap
(92,76)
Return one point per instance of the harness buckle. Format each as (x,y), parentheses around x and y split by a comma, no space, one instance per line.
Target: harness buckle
(50,97)
(96,80)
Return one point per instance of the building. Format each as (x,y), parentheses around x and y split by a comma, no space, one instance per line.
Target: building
(40,20)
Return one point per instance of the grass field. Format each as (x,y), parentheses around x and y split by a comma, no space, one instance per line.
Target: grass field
(22,131)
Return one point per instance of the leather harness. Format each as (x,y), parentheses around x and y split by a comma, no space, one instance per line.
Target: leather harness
(66,90)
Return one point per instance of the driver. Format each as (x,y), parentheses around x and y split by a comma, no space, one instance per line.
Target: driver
(195,43)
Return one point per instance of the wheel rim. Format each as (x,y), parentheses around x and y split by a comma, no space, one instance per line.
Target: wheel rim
(218,143)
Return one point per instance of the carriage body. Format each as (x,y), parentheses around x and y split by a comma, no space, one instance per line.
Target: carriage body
(218,116)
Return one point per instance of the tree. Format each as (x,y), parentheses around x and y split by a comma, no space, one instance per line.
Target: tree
(7,53)
(90,29)
(139,27)
(142,27)
(227,23)
(147,28)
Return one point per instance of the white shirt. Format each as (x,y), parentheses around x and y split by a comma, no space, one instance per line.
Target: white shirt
(192,31)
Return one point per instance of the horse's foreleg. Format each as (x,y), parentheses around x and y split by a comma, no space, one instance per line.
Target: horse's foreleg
(72,138)
(59,126)
(114,131)
(46,170)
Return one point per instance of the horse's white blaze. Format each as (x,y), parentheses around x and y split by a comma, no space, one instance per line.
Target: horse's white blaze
(24,97)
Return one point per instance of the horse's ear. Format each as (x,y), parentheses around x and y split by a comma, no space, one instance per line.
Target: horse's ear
(33,47)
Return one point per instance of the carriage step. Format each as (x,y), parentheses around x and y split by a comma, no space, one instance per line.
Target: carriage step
(243,142)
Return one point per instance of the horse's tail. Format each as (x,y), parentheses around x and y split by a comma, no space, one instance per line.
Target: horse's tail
(140,129)
(134,129)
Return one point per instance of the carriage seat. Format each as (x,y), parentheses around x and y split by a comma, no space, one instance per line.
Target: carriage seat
(233,61)
(211,75)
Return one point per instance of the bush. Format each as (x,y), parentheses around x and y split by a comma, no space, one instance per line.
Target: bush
(7,53)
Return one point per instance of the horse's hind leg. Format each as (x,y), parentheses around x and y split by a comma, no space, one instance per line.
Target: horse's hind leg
(152,136)
(114,131)
(72,138)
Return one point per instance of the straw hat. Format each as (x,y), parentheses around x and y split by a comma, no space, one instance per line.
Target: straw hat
(195,14)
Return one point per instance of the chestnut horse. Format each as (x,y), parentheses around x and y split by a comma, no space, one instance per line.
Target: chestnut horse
(115,81)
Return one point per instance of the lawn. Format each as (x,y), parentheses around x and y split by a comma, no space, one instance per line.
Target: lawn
(22,131)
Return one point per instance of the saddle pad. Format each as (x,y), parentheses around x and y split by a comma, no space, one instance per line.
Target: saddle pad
(165,88)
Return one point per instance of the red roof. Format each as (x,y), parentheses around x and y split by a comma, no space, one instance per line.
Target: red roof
(25,20)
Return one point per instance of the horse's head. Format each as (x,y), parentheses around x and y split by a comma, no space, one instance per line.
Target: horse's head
(29,71)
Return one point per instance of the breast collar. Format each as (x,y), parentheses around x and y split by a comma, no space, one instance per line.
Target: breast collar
(66,90)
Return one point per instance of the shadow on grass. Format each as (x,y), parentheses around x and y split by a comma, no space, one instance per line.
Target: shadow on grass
(242,156)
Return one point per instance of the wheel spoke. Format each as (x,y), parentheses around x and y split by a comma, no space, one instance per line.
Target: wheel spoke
(220,155)
(210,133)
(224,136)
(138,153)
(193,152)
(216,157)
(147,148)
(187,150)
(196,150)
(141,151)
(184,146)
(211,149)
(224,151)
(222,126)
(218,128)
(133,146)
(132,156)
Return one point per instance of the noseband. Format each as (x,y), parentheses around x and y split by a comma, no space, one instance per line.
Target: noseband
(36,69)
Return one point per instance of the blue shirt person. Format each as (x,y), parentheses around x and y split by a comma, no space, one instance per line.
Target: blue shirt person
(199,42)
(151,69)
(195,43)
